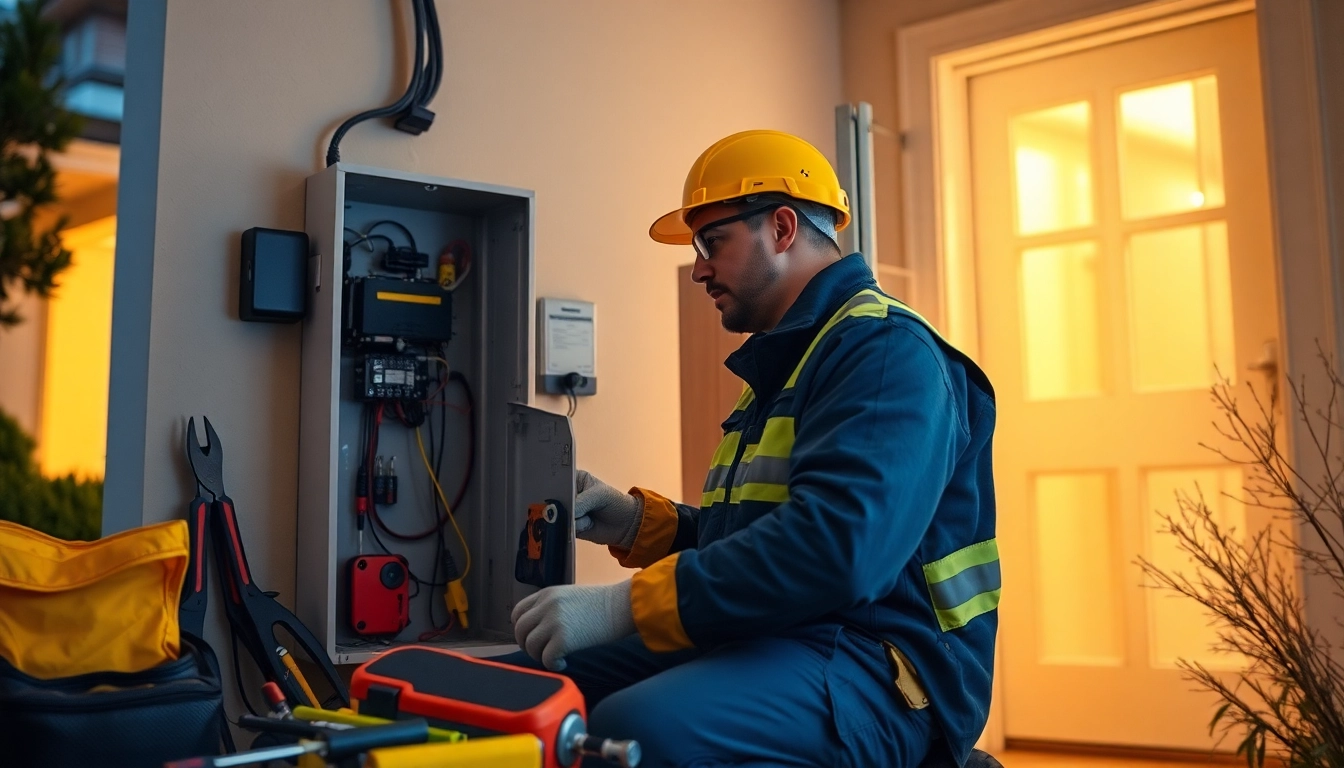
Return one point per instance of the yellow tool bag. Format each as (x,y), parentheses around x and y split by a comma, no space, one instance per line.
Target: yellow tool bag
(74,607)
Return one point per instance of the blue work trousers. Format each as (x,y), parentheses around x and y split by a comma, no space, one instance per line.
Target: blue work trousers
(817,695)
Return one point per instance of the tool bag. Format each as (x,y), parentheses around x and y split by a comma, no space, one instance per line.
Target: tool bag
(72,607)
(93,667)
(171,711)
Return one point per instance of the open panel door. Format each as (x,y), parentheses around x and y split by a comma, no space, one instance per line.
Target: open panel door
(539,468)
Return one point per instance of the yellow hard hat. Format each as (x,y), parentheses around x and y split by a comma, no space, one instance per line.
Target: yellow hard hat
(753,163)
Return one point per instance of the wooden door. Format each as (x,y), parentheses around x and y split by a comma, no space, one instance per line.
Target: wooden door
(708,390)
(1123,261)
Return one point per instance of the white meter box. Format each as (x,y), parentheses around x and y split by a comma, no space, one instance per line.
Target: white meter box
(568,347)
(417,361)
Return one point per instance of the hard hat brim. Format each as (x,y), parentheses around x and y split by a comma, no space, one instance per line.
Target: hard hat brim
(671,229)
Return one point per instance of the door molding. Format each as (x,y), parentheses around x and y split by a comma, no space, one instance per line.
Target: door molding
(937,58)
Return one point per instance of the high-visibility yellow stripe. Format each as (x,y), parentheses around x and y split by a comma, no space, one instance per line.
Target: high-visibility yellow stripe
(961,615)
(986,551)
(727,450)
(768,482)
(864,303)
(408,298)
(772,492)
(748,454)
(744,399)
(777,437)
(965,584)
(710,498)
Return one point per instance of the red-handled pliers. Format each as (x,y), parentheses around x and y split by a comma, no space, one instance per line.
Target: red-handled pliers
(252,613)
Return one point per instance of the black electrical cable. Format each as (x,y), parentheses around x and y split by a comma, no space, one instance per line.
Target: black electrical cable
(371,238)
(442,556)
(397,107)
(396,224)
(458,377)
(436,461)
(433,67)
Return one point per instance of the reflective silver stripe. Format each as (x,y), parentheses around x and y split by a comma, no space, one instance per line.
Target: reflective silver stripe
(950,593)
(858,300)
(965,584)
(764,469)
(716,478)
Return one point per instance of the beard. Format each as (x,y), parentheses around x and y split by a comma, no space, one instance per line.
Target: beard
(746,311)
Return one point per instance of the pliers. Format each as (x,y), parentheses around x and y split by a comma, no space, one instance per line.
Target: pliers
(253,614)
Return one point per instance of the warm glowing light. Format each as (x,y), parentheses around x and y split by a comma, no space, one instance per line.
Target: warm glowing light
(1180,629)
(1169,145)
(79,342)
(1061,321)
(1075,549)
(1180,308)
(1052,164)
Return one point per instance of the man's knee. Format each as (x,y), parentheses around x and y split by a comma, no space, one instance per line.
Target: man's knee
(639,713)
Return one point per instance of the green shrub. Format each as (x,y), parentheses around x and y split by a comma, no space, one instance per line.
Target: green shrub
(64,507)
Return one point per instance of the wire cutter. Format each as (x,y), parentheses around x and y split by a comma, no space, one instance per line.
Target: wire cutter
(253,614)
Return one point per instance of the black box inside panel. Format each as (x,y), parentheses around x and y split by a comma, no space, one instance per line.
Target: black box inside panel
(387,308)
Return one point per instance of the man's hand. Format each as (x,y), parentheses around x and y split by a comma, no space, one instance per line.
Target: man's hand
(557,621)
(604,515)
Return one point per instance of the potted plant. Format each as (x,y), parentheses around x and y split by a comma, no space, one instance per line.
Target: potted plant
(1287,703)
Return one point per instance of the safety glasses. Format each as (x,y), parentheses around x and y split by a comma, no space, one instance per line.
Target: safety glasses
(698,239)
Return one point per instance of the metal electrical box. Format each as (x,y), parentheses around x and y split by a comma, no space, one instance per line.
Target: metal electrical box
(422,313)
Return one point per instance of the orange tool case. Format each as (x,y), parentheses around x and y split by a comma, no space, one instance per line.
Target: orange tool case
(475,696)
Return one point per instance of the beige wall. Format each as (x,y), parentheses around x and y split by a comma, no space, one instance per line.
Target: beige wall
(598,106)
(868,29)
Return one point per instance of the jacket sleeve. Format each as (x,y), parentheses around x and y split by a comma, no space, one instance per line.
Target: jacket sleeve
(666,527)
(876,442)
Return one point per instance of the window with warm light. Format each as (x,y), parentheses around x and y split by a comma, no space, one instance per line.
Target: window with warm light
(78,355)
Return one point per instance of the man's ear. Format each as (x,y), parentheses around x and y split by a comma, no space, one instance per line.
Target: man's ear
(785,221)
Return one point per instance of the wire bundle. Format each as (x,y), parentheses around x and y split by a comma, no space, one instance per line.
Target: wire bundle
(417,415)
(412,109)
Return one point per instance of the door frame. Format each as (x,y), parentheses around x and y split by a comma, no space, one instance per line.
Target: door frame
(937,58)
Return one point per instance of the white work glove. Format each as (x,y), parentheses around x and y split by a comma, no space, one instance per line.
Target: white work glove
(557,621)
(604,515)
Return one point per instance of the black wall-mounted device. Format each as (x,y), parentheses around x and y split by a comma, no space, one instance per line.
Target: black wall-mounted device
(273,285)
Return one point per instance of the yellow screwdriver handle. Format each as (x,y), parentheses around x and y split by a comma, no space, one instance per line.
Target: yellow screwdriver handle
(344,717)
(522,750)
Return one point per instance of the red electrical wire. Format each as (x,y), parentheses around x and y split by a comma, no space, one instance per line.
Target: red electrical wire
(457,500)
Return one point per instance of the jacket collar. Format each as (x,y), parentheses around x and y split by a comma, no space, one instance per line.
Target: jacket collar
(766,360)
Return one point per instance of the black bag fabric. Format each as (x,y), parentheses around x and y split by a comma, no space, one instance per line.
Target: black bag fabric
(115,719)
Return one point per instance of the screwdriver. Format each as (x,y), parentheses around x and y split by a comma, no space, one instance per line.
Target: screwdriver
(333,746)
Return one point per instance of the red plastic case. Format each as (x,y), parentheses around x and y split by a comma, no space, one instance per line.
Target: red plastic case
(379,594)
(475,696)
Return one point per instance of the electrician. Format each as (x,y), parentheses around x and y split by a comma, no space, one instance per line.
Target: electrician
(832,600)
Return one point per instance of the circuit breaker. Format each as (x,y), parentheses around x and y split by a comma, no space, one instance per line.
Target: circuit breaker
(417,440)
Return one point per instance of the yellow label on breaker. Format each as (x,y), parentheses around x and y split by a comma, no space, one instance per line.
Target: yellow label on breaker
(409,298)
